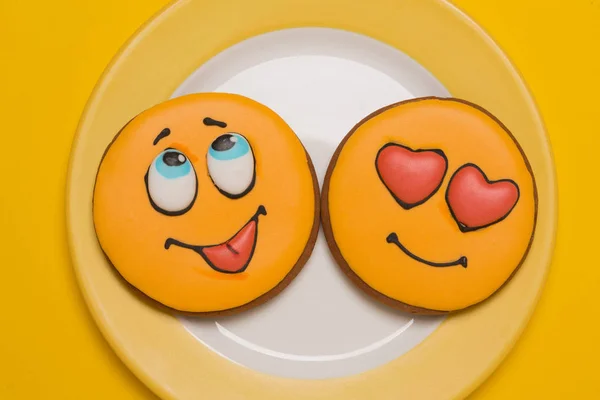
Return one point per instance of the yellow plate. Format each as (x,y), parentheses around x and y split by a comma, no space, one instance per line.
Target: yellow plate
(451,362)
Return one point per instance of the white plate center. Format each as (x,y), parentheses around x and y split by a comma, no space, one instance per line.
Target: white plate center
(322,82)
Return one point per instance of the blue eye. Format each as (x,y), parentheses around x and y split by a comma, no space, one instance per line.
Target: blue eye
(229,147)
(171,183)
(172,164)
(230,164)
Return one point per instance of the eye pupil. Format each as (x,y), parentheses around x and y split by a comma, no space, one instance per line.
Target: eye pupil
(224,142)
(173,159)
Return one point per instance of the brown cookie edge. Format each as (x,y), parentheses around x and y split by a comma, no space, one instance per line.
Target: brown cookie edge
(328,231)
(290,276)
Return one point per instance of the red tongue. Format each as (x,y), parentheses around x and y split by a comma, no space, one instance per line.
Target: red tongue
(233,255)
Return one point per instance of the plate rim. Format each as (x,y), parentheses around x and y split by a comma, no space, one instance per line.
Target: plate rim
(95,98)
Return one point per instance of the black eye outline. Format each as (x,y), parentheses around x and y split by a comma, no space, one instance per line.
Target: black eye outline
(404,205)
(154,205)
(464,228)
(252,182)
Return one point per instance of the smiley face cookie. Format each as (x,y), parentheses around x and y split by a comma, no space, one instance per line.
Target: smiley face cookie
(207,203)
(429,205)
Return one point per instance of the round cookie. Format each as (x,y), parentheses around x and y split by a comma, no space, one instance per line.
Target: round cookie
(207,203)
(429,205)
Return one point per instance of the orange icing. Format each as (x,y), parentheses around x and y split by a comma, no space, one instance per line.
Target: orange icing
(133,234)
(363,211)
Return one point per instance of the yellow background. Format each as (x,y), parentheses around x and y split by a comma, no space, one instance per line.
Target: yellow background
(53,52)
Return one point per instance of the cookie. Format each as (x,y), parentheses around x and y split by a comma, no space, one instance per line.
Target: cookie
(429,205)
(207,203)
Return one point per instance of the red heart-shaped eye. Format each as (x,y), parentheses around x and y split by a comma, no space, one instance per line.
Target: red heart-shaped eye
(476,202)
(411,176)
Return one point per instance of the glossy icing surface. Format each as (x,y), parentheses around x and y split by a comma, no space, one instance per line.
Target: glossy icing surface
(417,234)
(196,220)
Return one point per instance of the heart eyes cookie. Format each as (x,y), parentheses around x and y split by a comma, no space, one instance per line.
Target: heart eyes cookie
(429,205)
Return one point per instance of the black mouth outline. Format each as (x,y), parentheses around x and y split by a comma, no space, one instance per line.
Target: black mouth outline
(393,238)
(198,249)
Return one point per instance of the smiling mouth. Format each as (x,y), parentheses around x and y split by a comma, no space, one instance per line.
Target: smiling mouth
(233,255)
(393,238)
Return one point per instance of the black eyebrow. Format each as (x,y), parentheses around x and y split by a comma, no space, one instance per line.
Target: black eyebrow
(163,134)
(213,122)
